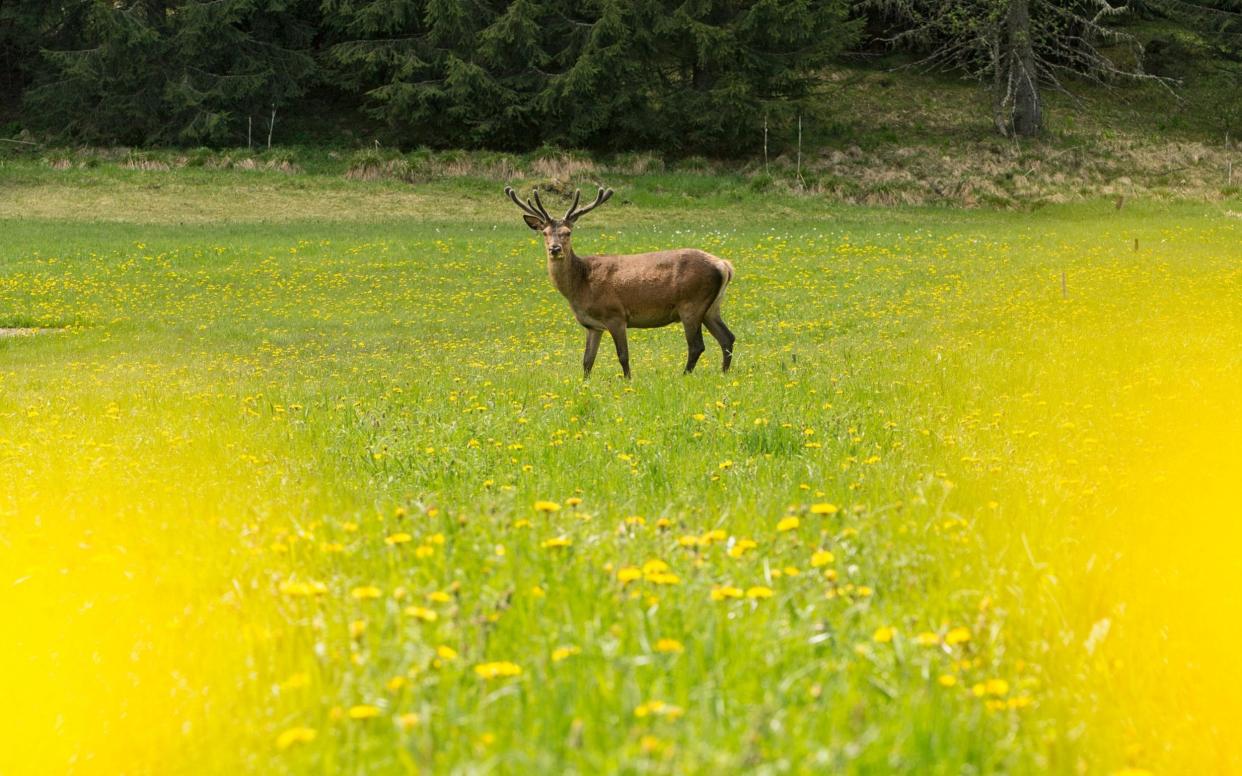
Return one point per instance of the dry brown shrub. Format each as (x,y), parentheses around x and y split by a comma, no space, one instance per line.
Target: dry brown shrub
(563,167)
(372,169)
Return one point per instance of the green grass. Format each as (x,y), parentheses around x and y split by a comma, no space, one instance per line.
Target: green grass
(262,386)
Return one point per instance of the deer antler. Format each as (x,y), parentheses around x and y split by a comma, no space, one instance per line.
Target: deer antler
(528,208)
(600,198)
(542,211)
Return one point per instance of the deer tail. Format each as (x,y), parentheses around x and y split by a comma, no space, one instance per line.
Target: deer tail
(725,269)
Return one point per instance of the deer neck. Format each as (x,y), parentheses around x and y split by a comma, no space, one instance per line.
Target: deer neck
(568,273)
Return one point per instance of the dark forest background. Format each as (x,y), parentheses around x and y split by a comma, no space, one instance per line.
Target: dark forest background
(678,77)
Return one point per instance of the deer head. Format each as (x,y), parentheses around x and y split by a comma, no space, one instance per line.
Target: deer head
(556,232)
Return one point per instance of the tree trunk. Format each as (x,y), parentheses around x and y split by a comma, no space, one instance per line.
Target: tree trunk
(1027,117)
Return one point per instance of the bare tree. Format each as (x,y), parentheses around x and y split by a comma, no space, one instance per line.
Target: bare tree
(1018,47)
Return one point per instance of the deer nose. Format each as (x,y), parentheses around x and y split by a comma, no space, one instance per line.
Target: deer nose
(555,248)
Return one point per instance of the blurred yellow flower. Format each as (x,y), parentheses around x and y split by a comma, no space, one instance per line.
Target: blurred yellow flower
(499,669)
(295,735)
(422,613)
(957,636)
(363,711)
(560,653)
(883,635)
(824,509)
(547,506)
(726,591)
(446,652)
(408,721)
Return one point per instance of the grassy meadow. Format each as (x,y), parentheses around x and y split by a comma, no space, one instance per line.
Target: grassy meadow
(305,479)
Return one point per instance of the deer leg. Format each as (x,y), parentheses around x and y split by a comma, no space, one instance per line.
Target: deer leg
(592,345)
(694,341)
(623,349)
(716,325)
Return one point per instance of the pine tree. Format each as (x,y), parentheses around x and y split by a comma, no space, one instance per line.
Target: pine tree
(174,71)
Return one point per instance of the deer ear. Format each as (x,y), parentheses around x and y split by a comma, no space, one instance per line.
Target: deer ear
(533,223)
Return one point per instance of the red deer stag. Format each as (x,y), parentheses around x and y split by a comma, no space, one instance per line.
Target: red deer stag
(641,290)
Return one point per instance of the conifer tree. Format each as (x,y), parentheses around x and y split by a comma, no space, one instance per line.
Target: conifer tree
(168,71)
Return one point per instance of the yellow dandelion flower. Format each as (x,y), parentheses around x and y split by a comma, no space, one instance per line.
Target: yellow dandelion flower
(573,501)
(560,653)
(723,592)
(424,551)
(363,711)
(824,508)
(821,558)
(669,645)
(547,506)
(295,735)
(997,687)
(883,635)
(946,680)
(957,636)
(366,592)
(788,524)
(629,574)
(396,683)
(927,639)
(446,652)
(557,543)
(658,709)
(498,669)
(398,538)
(422,613)
(439,597)
(740,547)
(655,566)
(759,591)
(663,578)
(302,589)
(408,721)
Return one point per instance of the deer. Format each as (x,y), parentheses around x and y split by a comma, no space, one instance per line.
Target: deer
(614,293)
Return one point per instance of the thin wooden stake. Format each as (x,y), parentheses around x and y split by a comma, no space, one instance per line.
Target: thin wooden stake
(1136,245)
(270,126)
(765,144)
(250,132)
(799,148)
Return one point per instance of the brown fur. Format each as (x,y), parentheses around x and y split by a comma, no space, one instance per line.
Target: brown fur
(641,290)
